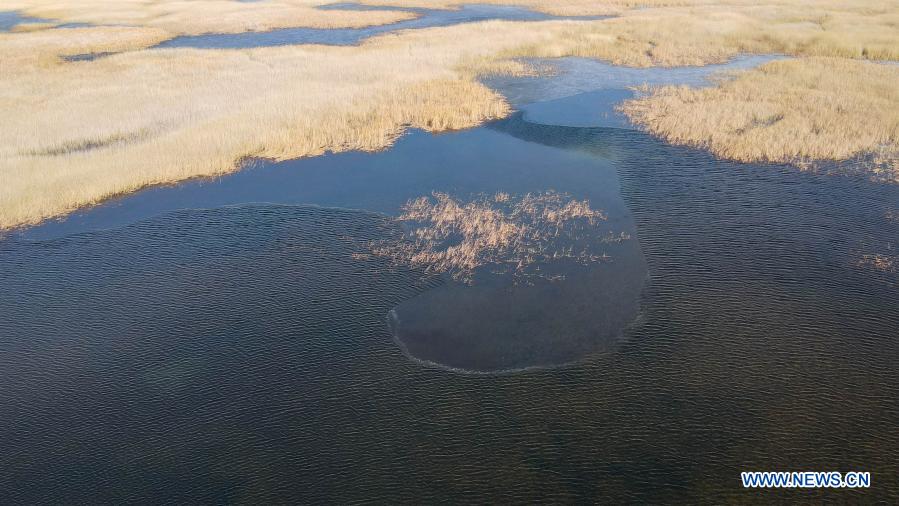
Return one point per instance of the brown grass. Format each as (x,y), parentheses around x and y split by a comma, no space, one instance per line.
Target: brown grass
(699,32)
(75,133)
(785,111)
(705,34)
(509,234)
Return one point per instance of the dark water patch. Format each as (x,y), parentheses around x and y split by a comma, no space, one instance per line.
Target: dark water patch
(590,140)
(122,349)
(756,296)
(427,18)
(495,325)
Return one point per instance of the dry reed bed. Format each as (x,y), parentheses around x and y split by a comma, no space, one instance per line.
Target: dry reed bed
(75,133)
(792,111)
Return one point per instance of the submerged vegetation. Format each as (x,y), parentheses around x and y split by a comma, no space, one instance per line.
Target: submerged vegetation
(507,233)
(879,262)
(77,132)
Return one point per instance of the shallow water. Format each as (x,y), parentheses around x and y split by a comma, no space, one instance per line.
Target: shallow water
(348,36)
(242,353)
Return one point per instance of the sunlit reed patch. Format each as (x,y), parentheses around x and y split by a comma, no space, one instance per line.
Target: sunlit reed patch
(504,233)
(773,114)
(880,262)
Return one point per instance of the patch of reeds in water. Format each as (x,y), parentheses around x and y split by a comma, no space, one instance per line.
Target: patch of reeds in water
(880,262)
(507,233)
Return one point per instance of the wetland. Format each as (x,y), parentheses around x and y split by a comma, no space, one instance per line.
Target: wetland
(544,303)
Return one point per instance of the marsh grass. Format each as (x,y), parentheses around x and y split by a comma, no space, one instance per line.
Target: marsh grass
(507,233)
(555,7)
(796,111)
(35,53)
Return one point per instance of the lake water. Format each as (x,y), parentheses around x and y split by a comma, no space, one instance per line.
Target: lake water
(236,340)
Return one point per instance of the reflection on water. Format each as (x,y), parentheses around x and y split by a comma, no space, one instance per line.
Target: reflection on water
(347,36)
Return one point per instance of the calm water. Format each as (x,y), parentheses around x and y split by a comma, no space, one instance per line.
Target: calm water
(228,341)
